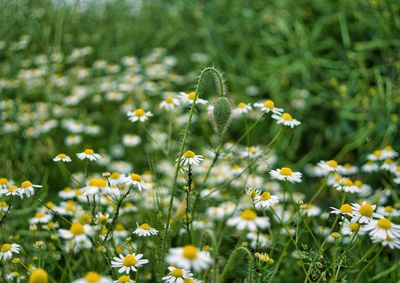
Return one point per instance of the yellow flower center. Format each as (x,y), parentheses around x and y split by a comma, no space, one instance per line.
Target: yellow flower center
(3,204)
(69,206)
(348,182)
(358,183)
(77,229)
(346,208)
(389,148)
(3,181)
(12,188)
(190,252)
(189,154)
(347,166)
(286,171)
(191,95)
(242,105)
(332,163)
(177,272)
(119,227)
(136,177)
(139,112)
(388,209)
(92,277)
(115,175)
(130,260)
(354,227)
(248,214)
(169,100)
(188,280)
(145,226)
(26,184)
(61,155)
(269,104)
(124,278)
(38,276)
(377,153)
(97,183)
(50,204)
(103,219)
(89,151)
(5,248)
(265,196)
(39,214)
(366,210)
(384,223)
(287,117)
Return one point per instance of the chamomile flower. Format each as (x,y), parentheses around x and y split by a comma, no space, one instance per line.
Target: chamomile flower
(377,155)
(13,190)
(177,275)
(28,189)
(77,235)
(95,186)
(345,209)
(39,275)
(89,154)
(169,103)
(363,213)
(190,158)
(189,257)
(389,152)
(188,98)
(392,243)
(328,166)
(124,279)
(4,183)
(145,230)
(139,115)
(248,220)
(62,157)
(286,174)
(265,200)
(347,169)
(128,263)
(388,211)
(116,179)
(93,277)
(349,227)
(40,217)
(242,108)
(7,251)
(389,165)
(3,206)
(136,180)
(382,228)
(268,106)
(369,167)
(286,119)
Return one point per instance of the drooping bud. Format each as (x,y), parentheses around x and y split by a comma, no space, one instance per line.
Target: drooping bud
(221,115)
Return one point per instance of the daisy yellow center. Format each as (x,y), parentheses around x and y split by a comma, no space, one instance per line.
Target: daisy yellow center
(115,175)
(97,183)
(26,184)
(347,166)
(69,206)
(92,277)
(389,148)
(389,161)
(384,223)
(332,163)
(3,204)
(77,229)
(61,155)
(269,104)
(190,252)
(286,171)
(346,208)
(5,248)
(287,117)
(38,276)
(188,280)
(354,227)
(3,181)
(388,209)
(130,260)
(265,196)
(119,227)
(377,153)
(248,214)
(169,100)
(177,272)
(89,151)
(189,154)
(136,177)
(50,204)
(242,105)
(191,95)
(103,219)
(348,182)
(366,210)
(12,188)
(124,278)
(139,112)
(39,214)
(358,183)
(145,226)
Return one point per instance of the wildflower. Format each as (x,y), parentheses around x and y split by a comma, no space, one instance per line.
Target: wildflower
(7,250)
(389,165)
(13,190)
(369,167)
(389,152)
(145,230)
(347,169)
(268,106)
(136,180)
(78,235)
(363,213)
(27,188)
(382,228)
(377,155)
(392,243)
(128,263)
(4,183)
(249,220)
(188,98)
(39,276)
(286,174)
(93,277)
(349,227)
(3,206)
(265,200)
(242,108)
(139,115)
(124,279)
(190,158)
(177,275)
(388,211)
(40,217)
(345,209)
(189,257)
(286,119)
(328,166)
(169,103)
(89,154)
(95,186)
(264,257)
(62,157)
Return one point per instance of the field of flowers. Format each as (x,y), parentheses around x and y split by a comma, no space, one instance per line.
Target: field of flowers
(199,141)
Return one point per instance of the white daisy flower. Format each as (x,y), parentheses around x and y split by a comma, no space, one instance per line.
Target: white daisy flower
(4,183)
(268,106)
(169,103)
(89,154)
(382,229)
(347,169)
(392,243)
(62,157)
(136,180)
(328,166)
(363,213)
(96,186)
(93,277)
(13,190)
(7,251)
(67,193)
(145,230)
(124,279)
(286,174)
(389,152)
(345,209)
(265,200)
(369,167)
(389,165)
(139,115)
(116,179)
(377,155)
(388,211)
(3,206)
(188,98)
(40,217)
(286,119)
(177,275)
(242,108)
(189,257)
(27,188)
(128,263)
(248,220)
(348,227)
(190,158)
(77,235)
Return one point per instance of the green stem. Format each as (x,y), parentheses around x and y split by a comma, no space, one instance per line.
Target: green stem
(230,263)
(366,267)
